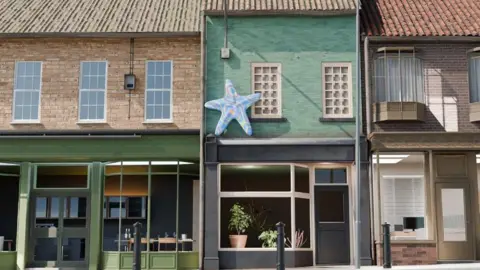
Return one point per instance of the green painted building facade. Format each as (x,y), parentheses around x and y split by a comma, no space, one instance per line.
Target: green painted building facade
(302,62)
(300,44)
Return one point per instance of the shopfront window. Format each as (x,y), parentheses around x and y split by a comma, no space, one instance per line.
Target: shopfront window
(403,202)
(265,195)
(159,195)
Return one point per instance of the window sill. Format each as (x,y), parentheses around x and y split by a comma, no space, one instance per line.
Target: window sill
(91,122)
(409,242)
(25,123)
(336,119)
(474,112)
(268,120)
(166,121)
(398,111)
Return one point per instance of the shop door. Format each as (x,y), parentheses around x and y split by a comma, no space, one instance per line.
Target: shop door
(455,232)
(332,225)
(59,230)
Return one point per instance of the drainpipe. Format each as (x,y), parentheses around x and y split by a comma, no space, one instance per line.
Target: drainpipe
(366,71)
(225,23)
(368,115)
(201,233)
(358,132)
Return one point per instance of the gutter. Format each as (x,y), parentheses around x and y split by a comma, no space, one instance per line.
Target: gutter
(423,39)
(100,34)
(86,133)
(245,13)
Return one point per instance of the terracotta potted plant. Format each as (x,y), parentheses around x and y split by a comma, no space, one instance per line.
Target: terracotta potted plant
(239,222)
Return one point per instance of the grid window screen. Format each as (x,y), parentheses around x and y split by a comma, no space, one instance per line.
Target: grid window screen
(337,90)
(267,80)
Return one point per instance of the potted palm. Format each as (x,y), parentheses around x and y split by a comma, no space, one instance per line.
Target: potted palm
(239,222)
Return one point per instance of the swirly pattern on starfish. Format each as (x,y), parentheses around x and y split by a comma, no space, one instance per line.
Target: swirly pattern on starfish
(232,106)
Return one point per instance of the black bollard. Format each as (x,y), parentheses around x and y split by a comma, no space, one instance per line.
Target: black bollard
(137,262)
(387,249)
(280,246)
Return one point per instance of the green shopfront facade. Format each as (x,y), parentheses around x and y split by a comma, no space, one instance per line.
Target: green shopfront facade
(70,199)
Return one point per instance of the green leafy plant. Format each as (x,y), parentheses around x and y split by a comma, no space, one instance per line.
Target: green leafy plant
(269,239)
(240,221)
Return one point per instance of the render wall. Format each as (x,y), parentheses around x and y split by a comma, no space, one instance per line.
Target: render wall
(300,44)
(60,80)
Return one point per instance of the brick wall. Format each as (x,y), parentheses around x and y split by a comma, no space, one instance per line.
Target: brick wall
(446,88)
(60,80)
(409,254)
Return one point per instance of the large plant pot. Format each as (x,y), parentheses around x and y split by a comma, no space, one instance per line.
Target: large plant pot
(238,241)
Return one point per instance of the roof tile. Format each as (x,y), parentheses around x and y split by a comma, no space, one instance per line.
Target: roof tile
(420,17)
(99,16)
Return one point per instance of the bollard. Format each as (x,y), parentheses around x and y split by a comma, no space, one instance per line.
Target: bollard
(137,262)
(387,249)
(280,246)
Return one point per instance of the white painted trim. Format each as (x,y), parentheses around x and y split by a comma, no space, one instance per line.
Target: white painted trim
(313,231)
(301,195)
(255,194)
(293,226)
(153,121)
(403,176)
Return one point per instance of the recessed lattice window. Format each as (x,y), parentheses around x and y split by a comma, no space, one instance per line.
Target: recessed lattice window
(267,80)
(337,87)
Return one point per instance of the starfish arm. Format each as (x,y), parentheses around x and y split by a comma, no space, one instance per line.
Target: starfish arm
(242,119)
(247,101)
(216,104)
(227,115)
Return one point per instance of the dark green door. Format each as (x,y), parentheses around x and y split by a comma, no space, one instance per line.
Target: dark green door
(59,229)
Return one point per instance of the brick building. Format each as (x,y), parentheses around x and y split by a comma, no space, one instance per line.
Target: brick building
(101,106)
(421,86)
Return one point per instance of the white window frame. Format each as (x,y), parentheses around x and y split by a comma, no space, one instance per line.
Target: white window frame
(425,191)
(292,195)
(474,57)
(80,90)
(348,65)
(26,121)
(279,91)
(170,119)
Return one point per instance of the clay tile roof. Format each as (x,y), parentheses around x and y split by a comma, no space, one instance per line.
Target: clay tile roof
(420,17)
(284,6)
(99,16)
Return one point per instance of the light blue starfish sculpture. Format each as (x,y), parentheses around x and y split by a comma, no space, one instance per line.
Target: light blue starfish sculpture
(233,106)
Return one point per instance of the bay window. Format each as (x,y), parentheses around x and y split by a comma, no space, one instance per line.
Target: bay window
(399,78)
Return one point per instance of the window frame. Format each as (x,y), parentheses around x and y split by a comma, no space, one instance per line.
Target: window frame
(92,121)
(292,195)
(25,121)
(278,65)
(395,177)
(350,85)
(395,54)
(475,55)
(145,105)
